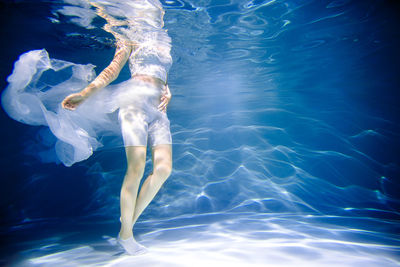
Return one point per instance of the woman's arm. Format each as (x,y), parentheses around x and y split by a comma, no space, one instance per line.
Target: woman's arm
(109,74)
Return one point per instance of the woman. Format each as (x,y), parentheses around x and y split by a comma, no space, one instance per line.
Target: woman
(148,52)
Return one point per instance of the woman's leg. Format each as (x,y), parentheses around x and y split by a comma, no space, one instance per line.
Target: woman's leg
(136,160)
(162,166)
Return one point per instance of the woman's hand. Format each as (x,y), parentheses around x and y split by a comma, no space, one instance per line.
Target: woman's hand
(72,101)
(165,98)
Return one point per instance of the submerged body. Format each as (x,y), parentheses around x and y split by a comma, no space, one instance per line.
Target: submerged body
(147,47)
(85,116)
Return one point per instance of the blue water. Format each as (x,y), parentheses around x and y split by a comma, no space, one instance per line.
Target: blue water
(285,123)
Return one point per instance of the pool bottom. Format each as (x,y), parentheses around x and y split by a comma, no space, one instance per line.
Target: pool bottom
(245,239)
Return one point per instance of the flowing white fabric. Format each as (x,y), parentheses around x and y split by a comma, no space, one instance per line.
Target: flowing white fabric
(37,87)
(39,83)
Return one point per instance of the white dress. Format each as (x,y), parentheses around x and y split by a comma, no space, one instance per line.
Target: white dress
(33,98)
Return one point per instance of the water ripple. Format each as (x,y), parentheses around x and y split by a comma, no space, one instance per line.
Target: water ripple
(241,239)
(285,142)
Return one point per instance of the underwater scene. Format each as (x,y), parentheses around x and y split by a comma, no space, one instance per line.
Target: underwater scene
(285,123)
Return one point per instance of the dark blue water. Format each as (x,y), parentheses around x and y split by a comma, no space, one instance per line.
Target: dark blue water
(285,124)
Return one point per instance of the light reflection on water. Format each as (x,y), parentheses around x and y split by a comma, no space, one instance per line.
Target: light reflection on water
(270,117)
(242,239)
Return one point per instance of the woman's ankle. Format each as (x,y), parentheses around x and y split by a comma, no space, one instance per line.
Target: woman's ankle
(125,234)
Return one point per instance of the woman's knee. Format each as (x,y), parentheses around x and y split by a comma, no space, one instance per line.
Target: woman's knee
(163,170)
(162,161)
(136,160)
(135,170)
(132,178)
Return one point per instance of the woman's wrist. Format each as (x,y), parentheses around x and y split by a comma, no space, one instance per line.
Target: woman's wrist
(88,90)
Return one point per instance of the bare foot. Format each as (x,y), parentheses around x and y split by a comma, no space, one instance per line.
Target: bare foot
(131,246)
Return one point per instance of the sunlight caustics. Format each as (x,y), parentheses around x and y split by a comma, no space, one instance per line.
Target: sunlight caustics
(285,148)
